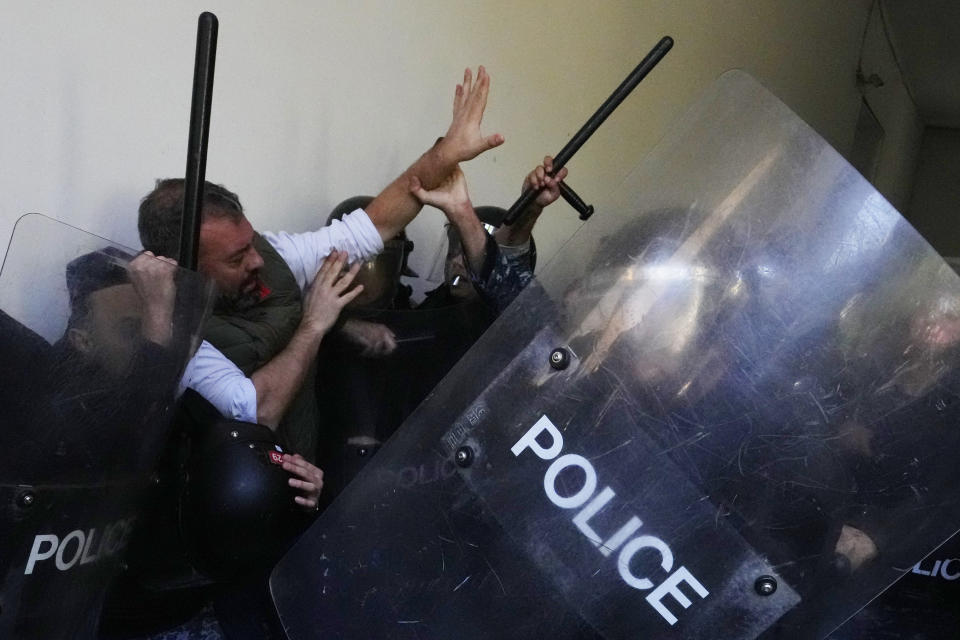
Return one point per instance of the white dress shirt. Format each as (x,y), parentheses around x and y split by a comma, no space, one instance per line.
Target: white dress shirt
(221,382)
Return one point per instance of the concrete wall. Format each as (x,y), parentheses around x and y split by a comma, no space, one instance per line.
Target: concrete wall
(318,101)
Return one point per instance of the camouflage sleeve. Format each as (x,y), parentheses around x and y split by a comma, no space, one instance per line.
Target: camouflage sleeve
(502,278)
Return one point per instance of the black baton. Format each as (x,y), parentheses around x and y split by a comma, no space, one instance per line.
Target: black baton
(620,93)
(197,143)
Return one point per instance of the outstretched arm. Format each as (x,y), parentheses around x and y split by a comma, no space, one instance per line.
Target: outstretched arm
(396,206)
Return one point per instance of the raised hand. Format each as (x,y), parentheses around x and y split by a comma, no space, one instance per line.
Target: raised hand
(540,178)
(451,196)
(328,293)
(463,138)
(519,232)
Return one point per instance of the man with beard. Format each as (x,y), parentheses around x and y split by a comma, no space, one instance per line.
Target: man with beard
(281,293)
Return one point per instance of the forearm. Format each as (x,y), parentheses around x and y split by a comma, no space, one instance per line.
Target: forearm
(158,325)
(520,231)
(278,381)
(471,232)
(501,279)
(395,207)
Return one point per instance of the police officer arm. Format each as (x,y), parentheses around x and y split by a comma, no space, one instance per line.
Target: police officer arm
(395,207)
(374,338)
(278,381)
(520,231)
(453,199)
(152,278)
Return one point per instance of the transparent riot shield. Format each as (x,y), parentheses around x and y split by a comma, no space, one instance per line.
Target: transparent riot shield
(728,409)
(93,340)
(920,606)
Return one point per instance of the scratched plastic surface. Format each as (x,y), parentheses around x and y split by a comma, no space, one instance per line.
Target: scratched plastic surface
(85,396)
(755,435)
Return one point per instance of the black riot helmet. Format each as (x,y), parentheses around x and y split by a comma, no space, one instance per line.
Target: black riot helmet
(237,509)
(455,273)
(380,276)
(221,508)
(491,216)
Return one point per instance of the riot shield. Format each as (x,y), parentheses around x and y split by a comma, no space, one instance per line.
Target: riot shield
(365,399)
(93,339)
(727,409)
(920,606)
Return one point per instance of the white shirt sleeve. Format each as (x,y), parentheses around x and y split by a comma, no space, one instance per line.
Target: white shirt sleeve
(212,374)
(305,252)
(221,382)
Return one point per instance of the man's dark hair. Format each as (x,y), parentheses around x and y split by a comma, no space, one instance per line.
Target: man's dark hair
(90,273)
(162,209)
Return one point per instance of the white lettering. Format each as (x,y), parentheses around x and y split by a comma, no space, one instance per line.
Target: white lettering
(943,570)
(529,440)
(581,496)
(86,558)
(617,539)
(88,548)
(590,505)
(73,535)
(632,547)
(36,554)
(917,570)
(582,519)
(670,587)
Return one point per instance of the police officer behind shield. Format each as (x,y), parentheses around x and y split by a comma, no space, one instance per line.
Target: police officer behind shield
(115,346)
(388,357)
(500,265)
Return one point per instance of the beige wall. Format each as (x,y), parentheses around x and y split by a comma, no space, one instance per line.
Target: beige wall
(317,101)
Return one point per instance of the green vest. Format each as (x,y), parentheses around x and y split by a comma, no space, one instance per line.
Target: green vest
(251,338)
